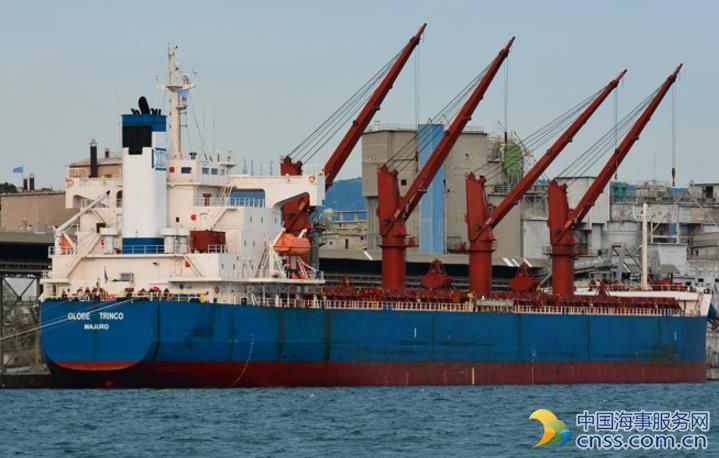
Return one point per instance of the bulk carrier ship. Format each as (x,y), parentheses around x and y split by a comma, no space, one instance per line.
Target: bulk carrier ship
(182,274)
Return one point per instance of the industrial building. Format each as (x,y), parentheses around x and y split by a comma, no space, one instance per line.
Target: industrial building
(683,228)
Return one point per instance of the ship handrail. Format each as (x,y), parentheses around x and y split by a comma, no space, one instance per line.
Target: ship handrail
(229,202)
(382,304)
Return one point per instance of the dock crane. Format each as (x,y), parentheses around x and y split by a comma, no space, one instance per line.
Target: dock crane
(393,210)
(296,212)
(481,218)
(562,220)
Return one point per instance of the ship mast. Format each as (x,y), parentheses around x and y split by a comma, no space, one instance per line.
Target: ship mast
(179,87)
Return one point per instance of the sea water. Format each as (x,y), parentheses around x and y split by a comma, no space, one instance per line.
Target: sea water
(467,421)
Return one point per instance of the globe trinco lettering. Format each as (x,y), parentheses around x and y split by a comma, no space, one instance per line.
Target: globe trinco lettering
(85,316)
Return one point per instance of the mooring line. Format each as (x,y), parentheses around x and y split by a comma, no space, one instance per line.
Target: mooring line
(61,320)
(247,361)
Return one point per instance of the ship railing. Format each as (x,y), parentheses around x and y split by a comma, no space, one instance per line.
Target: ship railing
(61,250)
(347,304)
(229,202)
(629,311)
(100,181)
(143,249)
(671,287)
(216,248)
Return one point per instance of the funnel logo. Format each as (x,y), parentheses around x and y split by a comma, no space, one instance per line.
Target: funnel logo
(555,431)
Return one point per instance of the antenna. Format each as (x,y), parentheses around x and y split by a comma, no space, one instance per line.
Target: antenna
(179,87)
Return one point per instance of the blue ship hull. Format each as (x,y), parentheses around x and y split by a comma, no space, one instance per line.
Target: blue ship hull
(168,343)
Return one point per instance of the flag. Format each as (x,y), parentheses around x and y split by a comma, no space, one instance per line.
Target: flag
(20,169)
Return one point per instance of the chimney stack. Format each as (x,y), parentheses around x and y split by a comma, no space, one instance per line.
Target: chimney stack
(24,184)
(32,182)
(93,158)
(107,153)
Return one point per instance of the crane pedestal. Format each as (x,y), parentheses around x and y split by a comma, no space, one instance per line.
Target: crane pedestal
(563,269)
(394,257)
(480,266)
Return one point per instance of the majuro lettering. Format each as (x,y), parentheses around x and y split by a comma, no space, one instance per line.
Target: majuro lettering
(106,316)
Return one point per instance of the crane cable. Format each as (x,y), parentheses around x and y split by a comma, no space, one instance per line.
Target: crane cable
(417,143)
(584,162)
(674,135)
(328,129)
(538,138)
(308,147)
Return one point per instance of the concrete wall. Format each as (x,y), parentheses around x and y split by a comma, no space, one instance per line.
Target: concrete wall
(33,211)
(471,152)
(666,254)
(508,233)
(599,214)
(377,148)
(468,155)
(535,237)
(110,167)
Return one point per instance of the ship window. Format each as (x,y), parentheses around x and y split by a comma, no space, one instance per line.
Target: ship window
(253,243)
(186,170)
(403,182)
(177,219)
(222,171)
(262,219)
(250,219)
(215,171)
(136,137)
(245,242)
(205,170)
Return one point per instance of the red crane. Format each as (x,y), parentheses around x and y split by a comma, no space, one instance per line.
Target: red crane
(296,212)
(394,210)
(481,218)
(562,220)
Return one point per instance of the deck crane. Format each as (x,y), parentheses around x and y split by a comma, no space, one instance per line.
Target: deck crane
(296,212)
(393,210)
(562,220)
(481,218)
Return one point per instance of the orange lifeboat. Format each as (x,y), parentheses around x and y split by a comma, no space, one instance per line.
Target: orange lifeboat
(290,245)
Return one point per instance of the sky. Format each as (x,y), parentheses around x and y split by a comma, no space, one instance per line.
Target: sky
(269,72)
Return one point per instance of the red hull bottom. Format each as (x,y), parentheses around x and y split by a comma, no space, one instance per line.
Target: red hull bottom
(272,374)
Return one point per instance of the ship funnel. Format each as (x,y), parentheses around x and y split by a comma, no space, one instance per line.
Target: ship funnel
(144,180)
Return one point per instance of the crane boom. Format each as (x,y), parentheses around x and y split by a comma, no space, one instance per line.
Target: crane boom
(419,186)
(562,220)
(481,222)
(620,153)
(516,193)
(349,141)
(393,210)
(296,211)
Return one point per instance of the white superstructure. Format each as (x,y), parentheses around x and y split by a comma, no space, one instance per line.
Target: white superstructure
(177,224)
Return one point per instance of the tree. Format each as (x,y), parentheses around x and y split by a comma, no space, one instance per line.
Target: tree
(7,188)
